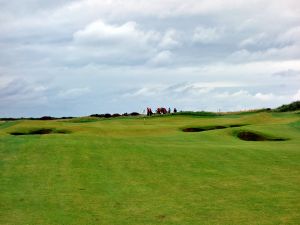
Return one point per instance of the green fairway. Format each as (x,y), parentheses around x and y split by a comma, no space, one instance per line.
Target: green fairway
(137,170)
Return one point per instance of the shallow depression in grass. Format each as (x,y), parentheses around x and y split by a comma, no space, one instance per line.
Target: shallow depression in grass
(251,136)
(218,127)
(40,131)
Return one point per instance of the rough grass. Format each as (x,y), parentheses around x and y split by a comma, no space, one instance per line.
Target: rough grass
(147,171)
(199,114)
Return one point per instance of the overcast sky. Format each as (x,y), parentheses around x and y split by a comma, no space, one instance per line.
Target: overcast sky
(67,57)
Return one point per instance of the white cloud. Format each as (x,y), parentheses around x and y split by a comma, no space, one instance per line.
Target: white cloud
(73,93)
(296,97)
(274,53)
(240,93)
(197,96)
(291,36)
(248,97)
(287,73)
(180,89)
(161,58)
(170,40)
(19,91)
(265,97)
(100,33)
(206,35)
(255,40)
(125,43)
(172,8)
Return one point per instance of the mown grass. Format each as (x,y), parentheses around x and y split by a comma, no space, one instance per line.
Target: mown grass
(147,171)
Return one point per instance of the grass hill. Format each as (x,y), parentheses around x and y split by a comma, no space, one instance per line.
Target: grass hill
(184,169)
(294,106)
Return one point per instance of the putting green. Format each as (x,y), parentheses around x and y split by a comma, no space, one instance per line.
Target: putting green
(138,170)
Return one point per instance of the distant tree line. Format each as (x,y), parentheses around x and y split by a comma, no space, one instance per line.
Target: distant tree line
(294,106)
(108,115)
(36,118)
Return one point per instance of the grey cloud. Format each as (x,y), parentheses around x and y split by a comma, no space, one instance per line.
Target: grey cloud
(91,53)
(18,90)
(287,73)
(289,52)
(73,93)
(187,96)
(207,35)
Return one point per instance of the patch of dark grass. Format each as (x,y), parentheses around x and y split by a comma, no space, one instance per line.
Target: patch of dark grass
(40,131)
(161,217)
(252,136)
(82,120)
(200,114)
(295,124)
(62,132)
(7,124)
(237,125)
(247,112)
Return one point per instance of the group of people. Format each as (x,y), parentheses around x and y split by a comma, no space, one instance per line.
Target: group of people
(160,110)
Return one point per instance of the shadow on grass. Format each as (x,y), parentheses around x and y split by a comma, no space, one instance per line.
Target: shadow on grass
(208,128)
(252,136)
(40,131)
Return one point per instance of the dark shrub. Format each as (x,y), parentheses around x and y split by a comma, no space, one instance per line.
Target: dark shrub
(107,115)
(47,118)
(290,107)
(97,115)
(8,119)
(66,117)
(134,114)
(116,115)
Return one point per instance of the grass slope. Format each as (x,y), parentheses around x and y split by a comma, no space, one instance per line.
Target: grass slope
(147,171)
(294,106)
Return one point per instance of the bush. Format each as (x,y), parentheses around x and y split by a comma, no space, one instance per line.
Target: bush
(107,115)
(134,114)
(95,115)
(290,107)
(47,118)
